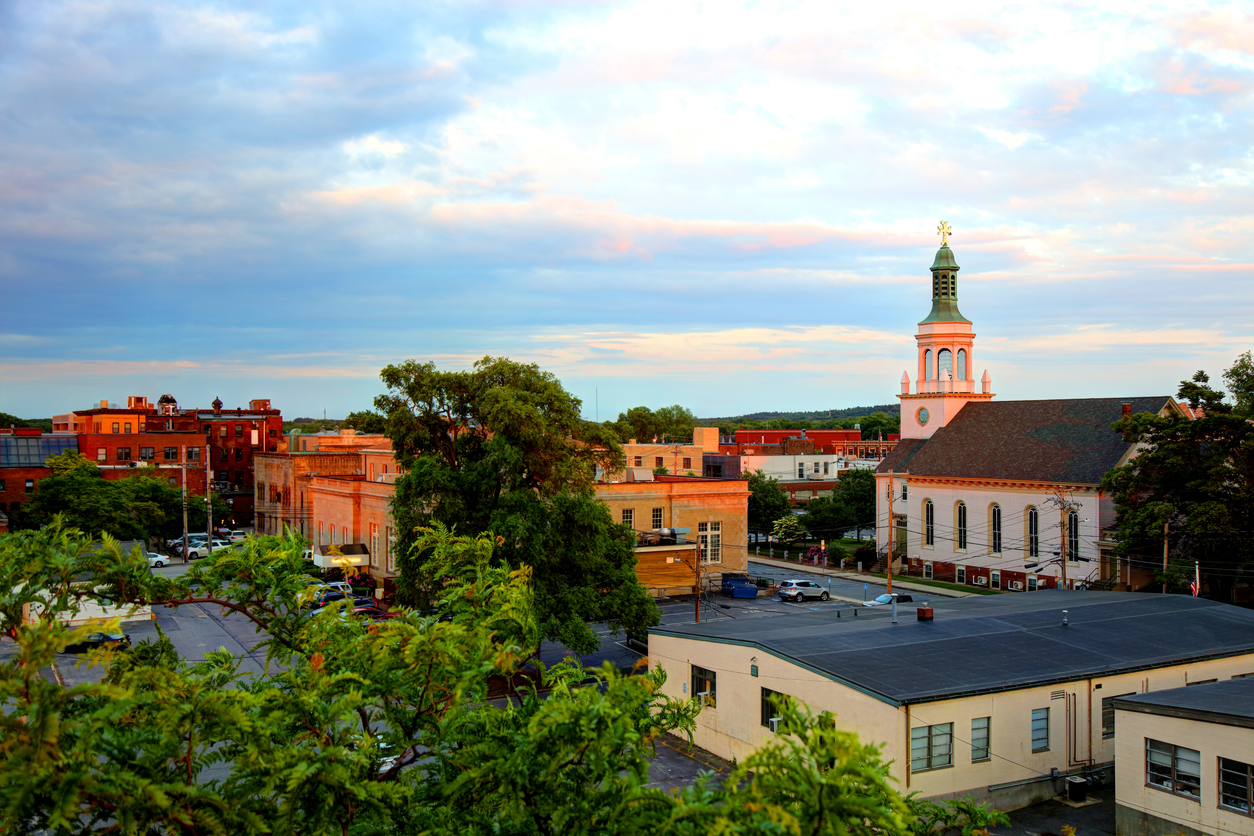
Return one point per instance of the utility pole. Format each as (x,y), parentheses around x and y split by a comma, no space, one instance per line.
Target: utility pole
(183,459)
(1064,506)
(891,525)
(1165,557)
(697,570)
(208,500)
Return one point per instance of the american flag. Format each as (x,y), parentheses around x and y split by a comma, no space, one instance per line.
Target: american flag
(1193,587)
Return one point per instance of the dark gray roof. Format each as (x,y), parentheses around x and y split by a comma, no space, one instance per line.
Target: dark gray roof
(1230,702)
(991,643)
(1039,441)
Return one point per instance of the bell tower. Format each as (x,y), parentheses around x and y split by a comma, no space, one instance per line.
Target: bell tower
(946,349)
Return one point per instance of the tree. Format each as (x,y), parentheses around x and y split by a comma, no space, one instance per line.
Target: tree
(365,421)
(1196,478)
(789,529)
(855,490)
(828,517)
(767,501)
(669,423)
(502,448)
(363,728)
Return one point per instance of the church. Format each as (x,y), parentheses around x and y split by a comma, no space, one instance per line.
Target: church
(999,494)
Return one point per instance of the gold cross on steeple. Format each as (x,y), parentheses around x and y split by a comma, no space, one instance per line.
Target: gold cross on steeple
(944,231)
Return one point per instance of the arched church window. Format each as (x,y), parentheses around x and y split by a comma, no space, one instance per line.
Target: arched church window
(927,365)
(962,365)
(1034,534)
(996,528)
(929,523)
(1073,536)
(962,525)
(945,362)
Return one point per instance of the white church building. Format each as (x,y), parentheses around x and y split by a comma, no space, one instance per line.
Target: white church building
(1002,494)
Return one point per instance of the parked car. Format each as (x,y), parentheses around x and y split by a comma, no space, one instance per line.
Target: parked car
(800,590)
(194,552)
(881,600)
(192,540)
(95,640)
(156,561)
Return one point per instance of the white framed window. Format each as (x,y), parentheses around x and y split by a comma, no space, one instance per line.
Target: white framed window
(709,535)
(929,523)
(945,363)
(962,526)
(826,472)
(374,544)
(994,579)
(1173,768)
(996,529)
(1236,786)
(961,373)
(1073,536)
(960,574)
(927,570)
(1034,533)
(931,747)
(928,374)
(388,545)
(657,518)
(979,738)
(1040,730)
(629,518)
(1031,583)
(704,685)
(801,470)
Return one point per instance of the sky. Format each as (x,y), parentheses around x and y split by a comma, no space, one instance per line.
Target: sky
(730,206)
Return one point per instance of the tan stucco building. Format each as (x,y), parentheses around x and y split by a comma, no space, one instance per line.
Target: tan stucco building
(986,699)
(1185,760)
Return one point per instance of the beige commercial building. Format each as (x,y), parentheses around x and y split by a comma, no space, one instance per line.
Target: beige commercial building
(1185,760)
(987,699)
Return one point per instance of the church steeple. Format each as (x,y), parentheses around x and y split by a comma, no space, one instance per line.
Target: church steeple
(945,288)
(946,355)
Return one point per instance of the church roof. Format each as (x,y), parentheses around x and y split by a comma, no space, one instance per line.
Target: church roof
(1036,441)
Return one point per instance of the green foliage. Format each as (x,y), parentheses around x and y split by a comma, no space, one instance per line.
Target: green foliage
(660,471)
(964,815)
(872,419)
(767,501)
(1240,380)
(855,490)
(69,462)
(502,448)
(828,517)
(789,529)
(1195,477)
(668,423)
(7,420)
(365,421)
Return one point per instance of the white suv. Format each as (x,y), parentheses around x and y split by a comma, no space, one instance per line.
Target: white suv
(800,590)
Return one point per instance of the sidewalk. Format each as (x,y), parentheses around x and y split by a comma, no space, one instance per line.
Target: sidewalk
(844,574)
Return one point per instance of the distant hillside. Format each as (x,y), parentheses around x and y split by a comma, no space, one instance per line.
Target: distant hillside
(816,415)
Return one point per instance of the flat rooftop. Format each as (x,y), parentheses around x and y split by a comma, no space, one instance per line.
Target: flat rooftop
(1229,703)
(991,643)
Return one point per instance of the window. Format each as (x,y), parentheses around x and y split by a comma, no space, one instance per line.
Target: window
(638,461)
(904,493)
(979,738)
(222,430)
(1040,730)
(687,463)
(147,454)
(960,574)
(193,454)
(929,523)
(208,430)
(1173,768)
(374,544)
(1201,682)
(931,747)
(319,532)
(994,579)
(96,427)
(944,362)
(657,461)
(961,373)
(927,365)
(996,529)
(1,489)
(1236,786)
(629,517)
(172,480)
(1034,534)
(703,685)
(123,454)
(30,485)
(825,466)
(239,430)
(239,454)
(1073,536)
(1108,715)
(801,470)
(1031,583)
(962,525)
(927,570)
(170,454)
(657,518)
(711,540)
(102,454)
(771,701)
(117,427)
(127,428)
(388,560)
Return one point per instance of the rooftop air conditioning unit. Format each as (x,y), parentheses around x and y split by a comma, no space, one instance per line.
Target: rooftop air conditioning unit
(1016,585)
(981,581)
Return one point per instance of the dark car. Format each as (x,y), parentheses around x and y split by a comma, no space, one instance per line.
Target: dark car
(881,600)
(95,640)
(800,590)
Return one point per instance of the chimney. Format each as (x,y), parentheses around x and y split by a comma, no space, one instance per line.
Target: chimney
(1127,410)
(925,612)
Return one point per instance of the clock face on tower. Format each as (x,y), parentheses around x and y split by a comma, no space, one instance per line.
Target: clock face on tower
(922,416)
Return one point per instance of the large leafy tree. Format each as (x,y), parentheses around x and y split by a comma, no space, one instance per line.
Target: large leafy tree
(668,423)
(828,517)
(855,490)
(502,448)
(767,501)
(1195,479)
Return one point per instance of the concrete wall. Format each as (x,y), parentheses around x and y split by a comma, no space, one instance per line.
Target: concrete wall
(732,728)
(1142,809)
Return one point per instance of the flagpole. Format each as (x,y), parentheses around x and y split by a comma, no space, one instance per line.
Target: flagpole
(1197,579)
